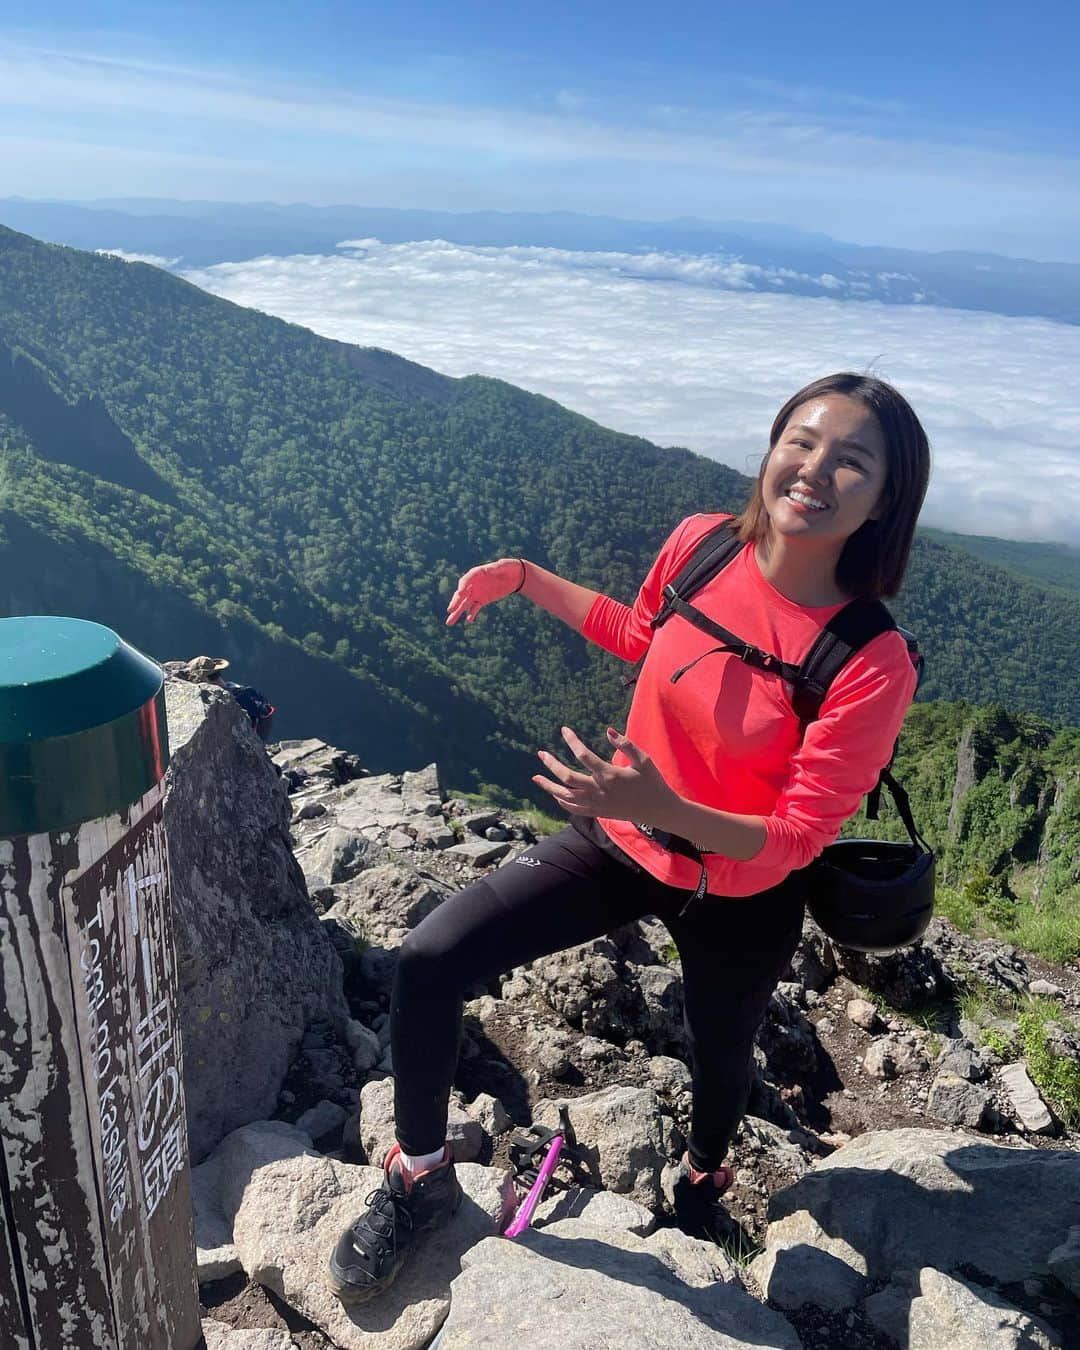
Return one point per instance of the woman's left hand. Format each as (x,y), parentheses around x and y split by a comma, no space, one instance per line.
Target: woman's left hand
(634,791)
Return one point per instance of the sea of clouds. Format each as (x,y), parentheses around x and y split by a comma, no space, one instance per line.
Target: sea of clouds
(702,351)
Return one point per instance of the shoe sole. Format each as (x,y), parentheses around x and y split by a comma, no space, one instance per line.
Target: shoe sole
(351,1295)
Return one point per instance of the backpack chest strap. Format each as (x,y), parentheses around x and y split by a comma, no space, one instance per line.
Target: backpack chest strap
(730,642)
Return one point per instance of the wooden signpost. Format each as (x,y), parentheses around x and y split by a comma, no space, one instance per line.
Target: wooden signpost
(96,1244)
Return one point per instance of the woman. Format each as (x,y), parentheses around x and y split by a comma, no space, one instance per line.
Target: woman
(718,757)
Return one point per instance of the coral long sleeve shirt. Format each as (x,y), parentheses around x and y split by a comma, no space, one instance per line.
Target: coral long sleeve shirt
(726,735)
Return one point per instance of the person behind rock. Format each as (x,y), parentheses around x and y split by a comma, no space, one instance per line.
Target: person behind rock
(209,669)
(716,756)
(205,670)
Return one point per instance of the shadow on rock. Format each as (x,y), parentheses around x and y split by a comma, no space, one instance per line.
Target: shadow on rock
(891,1206)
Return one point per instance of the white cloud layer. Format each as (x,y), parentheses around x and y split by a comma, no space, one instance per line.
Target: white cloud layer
(650,345)
(152,258)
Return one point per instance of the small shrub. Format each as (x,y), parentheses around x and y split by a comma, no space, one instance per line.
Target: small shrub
(740,1248)
(955,907)
(997,1041)
(1052,934)
(1057,1078)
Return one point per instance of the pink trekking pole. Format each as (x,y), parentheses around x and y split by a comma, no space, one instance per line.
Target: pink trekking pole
(524,1212)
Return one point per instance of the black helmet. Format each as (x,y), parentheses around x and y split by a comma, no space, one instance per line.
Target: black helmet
(871,895)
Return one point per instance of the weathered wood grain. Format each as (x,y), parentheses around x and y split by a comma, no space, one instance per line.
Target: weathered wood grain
(92,1124)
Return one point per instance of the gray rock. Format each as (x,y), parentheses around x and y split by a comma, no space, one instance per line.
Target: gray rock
(887,1310)
(321,1119)
(434,833)
(956,1101)
(661,1027)
(590,987)
(787,1038)
(892,1056)
(623,1134)
(477,852)
(315,760)
(464,1135)
(220,1336)
(255,966)
(954,1312)
(577,1287)
(215,1255)
(310,811)
(497,834)
(337,855)
(548,1048)
(214,1194)
(1064,1262)
(400,840)
(423,788)
(961,1058)
(377,1119)
(592,1050)
(1024,1096)
(288,1212)
(792,1274)
(863,1013)
(670,1077)
(789,1151)
(905,978)
(814,963)
(476,822)
(902,1199)
(601,1209)
(384,902)
(364,1044)
(489,1113)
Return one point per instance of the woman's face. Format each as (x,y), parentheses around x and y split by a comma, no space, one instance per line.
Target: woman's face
(826,474)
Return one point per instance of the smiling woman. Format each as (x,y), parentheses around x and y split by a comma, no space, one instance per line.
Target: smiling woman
(851,462)
(720,752)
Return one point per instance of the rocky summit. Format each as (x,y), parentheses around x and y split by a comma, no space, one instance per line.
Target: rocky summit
(908,1174)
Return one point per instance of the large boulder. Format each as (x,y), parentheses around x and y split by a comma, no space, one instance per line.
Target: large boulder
(220,1336)
(905,978)
(966,1316)
(906,1199)
(622,1134)
(255,966)
(592,988)
(287,1206)
(384,902)
(579,1286)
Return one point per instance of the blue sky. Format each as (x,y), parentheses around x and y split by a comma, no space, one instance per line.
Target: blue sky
(929,126)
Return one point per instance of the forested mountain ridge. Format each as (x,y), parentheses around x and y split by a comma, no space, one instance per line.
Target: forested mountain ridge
(1048,564)
(327,497)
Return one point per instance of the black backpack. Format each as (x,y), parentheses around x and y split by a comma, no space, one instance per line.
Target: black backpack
(257,706)
(847,632)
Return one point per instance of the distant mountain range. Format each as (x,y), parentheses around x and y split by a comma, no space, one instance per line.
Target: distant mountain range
(203,477)
(777,259)
(1050,564)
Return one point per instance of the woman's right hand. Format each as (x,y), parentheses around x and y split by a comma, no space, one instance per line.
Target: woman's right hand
(481,585)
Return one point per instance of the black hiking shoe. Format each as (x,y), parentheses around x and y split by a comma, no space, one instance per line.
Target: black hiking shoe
(371,1251)
(698,1208)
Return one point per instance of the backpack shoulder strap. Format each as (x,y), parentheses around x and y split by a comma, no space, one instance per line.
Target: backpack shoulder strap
(711,556)
(846,633)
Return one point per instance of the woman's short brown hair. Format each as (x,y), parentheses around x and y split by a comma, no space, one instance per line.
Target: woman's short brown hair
(875,558)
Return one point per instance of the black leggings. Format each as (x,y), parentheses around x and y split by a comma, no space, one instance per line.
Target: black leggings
(570,888)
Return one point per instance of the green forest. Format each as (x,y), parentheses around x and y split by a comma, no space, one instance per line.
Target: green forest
(192,471)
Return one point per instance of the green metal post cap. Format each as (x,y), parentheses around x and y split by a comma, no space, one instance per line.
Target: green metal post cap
(82,723)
